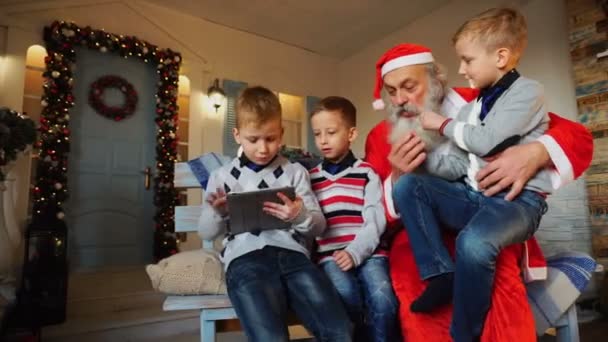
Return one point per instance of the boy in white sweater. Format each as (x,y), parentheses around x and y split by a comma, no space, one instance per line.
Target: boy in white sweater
(269,271)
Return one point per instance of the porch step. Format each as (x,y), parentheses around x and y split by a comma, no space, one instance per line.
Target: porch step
(186,329)
(144,323)
(119,305)
(108,282)
(136,323)
(84,307)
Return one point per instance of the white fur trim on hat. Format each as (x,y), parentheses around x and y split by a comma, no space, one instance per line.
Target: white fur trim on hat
(378,104)
(418,58)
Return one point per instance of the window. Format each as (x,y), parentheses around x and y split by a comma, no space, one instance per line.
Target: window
(294,120)
(311,103)
(32,96)
(183,124)
(183,102)
(232,89)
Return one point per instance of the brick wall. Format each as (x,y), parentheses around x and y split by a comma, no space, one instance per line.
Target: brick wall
(588,27)
(566,225)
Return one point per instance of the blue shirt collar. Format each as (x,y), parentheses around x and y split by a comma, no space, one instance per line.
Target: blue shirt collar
(334,168)
(246,162)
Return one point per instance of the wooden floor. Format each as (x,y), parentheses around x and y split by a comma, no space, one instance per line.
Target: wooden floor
(297,333)
(121,305)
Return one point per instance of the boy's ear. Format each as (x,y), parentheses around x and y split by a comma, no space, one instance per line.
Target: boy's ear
(236,135)
(503,55)
(352,134)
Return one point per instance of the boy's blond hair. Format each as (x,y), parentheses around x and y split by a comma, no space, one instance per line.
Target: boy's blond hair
(257,105)
(496,28)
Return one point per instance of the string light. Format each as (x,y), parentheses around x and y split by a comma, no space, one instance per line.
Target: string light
(51,189)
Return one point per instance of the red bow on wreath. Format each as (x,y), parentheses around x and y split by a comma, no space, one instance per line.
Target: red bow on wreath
(115,113)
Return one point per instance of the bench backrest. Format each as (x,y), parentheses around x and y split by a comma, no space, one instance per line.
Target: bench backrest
(187,216)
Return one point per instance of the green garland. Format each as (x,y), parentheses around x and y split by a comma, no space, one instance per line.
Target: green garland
(51,189)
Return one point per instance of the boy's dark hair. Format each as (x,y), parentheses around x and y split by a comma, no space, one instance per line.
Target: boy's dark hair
(338,104)
(257,105)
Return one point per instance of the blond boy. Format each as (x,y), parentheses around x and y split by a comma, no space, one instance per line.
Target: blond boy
(509,110)
(269,271)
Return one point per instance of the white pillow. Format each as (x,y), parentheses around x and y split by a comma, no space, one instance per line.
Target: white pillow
(189,273)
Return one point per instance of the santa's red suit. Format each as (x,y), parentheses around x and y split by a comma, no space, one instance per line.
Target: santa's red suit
(570,147)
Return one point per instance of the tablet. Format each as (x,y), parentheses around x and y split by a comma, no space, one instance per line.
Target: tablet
(246,214)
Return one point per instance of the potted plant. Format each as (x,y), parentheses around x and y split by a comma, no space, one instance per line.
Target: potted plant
(17,132)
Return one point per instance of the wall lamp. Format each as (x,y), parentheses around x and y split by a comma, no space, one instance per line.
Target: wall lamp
(216,94)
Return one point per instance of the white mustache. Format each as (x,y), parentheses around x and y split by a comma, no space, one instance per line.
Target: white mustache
(402,125)
(406,108)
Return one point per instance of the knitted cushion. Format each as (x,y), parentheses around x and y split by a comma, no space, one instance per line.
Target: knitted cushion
(189,273)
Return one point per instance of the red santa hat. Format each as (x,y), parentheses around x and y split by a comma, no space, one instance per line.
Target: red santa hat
(399,56)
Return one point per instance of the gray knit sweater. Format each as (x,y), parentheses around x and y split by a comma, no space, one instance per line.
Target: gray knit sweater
(519,114)
(234,177)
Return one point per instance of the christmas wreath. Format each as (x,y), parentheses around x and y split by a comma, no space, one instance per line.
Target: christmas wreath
(51,188)
(115,113)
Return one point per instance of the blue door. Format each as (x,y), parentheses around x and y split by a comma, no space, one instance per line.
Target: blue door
(110,210)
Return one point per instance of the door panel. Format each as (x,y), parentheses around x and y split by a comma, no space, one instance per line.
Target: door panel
(110,213)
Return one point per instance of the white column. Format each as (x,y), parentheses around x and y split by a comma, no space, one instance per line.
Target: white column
(6,246)
(7,256)
(13,215)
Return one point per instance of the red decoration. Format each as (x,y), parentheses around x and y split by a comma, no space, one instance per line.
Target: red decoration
(61,39)
(115,113)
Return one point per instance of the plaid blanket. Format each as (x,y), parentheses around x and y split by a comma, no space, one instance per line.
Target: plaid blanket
(567,276)
(203,166)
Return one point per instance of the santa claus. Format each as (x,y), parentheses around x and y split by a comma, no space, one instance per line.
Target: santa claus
(413,82)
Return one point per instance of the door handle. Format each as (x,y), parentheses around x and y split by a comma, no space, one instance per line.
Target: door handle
(147,173)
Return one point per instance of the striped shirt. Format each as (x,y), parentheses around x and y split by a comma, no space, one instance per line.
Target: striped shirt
(350,195)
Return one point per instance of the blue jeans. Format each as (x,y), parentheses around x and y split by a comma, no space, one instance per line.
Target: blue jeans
(486,225)
(369,298)
(263,284)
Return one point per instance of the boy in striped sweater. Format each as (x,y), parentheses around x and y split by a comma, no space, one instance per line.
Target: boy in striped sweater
(269,271)
(350,195)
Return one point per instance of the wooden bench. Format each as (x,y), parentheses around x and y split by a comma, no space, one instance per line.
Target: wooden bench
(567,326)
(214,308)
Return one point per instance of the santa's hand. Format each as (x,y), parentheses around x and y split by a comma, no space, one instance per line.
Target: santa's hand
(407,153)
(344,260)
(431,120)
(512,168)
(287,211)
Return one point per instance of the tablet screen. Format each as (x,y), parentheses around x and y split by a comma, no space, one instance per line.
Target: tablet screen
(246,214)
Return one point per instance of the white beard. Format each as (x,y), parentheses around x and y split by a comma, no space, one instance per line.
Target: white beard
(402,125)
